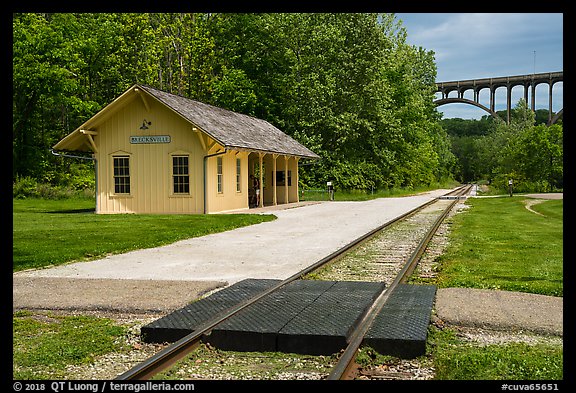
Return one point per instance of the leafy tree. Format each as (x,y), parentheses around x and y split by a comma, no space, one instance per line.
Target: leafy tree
(235,91)
(346,85)
(66,67)
(531,155)
(43,86)
(539,156)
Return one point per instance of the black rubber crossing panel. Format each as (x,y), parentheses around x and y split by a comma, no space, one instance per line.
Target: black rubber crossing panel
(309,317)
(182,322)
(305,316)
(401,327)
(323,326)
(256,327)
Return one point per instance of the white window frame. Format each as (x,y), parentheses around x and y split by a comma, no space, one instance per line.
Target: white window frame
(174,175)
(238,175)
(219,175)
(113,157)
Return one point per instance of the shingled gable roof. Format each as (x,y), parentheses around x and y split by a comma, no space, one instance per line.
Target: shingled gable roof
(230,129)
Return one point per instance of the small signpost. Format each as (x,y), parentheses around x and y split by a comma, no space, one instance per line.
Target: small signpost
(330,188)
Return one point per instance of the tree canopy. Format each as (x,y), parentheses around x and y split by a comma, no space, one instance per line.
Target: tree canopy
(348,86)
(526,150)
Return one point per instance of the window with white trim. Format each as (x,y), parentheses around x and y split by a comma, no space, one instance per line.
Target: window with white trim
(220,174)
(238,175)
(180,175)
(121,174)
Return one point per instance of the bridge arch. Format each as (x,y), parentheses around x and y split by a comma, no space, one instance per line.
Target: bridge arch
(455,100)
(556,117)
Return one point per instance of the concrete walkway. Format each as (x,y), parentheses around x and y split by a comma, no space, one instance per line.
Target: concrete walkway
(124,296)
(501,310)
(277,249)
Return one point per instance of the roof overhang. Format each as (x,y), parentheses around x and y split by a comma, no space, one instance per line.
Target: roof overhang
(264,151)
(81,138)
(76,141)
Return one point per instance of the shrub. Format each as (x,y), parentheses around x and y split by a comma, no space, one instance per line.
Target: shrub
(24,187)
(28,187)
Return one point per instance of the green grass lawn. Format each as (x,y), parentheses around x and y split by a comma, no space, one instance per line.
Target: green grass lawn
(52,232)
(499,244)
(366,195)
(455,359)
(44,345)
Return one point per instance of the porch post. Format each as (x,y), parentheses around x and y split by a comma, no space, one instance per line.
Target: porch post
(286,179)
(260,156)
(295,179)
(274,198)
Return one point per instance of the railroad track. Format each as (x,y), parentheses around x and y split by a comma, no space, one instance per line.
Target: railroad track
(381,258)
(345,367)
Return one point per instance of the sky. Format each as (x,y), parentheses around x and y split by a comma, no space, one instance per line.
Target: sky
(475,46)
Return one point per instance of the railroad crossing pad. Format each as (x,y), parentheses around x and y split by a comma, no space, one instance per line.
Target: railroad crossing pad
(183,321)
(305,316)
(401,327)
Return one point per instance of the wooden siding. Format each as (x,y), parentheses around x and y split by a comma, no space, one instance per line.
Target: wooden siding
(150,163)
(229,199)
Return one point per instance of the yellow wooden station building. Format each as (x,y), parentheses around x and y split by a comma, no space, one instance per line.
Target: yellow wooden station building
(157,152)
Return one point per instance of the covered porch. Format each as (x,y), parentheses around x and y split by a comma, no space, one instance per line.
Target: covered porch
(274,177)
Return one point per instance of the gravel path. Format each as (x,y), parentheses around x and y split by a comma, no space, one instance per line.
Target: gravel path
(166,278)
(275,249)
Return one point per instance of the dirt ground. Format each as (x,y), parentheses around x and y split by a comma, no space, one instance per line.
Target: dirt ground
(136,296)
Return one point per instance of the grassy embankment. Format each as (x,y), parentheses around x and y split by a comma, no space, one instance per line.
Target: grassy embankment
(363,195)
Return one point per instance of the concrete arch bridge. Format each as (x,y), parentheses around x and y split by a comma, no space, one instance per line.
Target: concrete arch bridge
(476,85)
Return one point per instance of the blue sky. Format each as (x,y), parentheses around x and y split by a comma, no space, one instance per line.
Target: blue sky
(476,45)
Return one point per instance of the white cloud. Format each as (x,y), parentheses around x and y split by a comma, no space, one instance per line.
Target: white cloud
(476,41)
(466,34)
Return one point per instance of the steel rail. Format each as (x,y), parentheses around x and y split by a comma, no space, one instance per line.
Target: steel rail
(345,365)
(174,352)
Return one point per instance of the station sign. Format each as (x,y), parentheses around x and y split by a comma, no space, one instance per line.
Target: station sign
(149,139)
